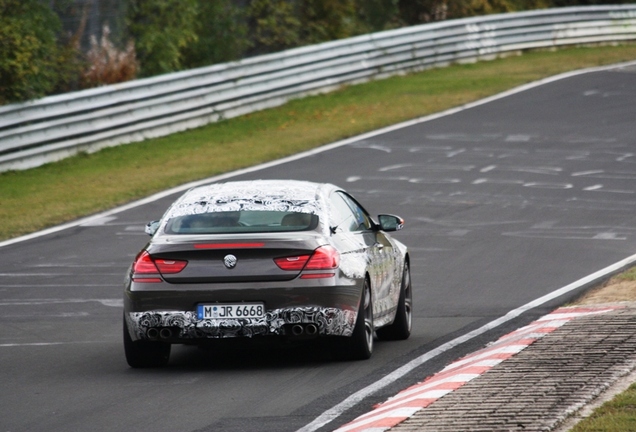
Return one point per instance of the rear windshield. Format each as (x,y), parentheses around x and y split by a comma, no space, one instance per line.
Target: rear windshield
(241,222)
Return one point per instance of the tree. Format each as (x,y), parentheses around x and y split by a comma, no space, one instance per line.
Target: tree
(325,20)
(274,25)
(28,50)
(421,11)
(378,15)
(161,30)
(221,30)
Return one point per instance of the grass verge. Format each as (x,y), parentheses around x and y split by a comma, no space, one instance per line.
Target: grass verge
(52,194)
(619,413)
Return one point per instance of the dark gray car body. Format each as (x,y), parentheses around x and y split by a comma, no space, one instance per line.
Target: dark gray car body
(240,268)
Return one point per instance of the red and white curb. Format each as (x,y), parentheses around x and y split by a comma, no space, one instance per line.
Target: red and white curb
(406,403)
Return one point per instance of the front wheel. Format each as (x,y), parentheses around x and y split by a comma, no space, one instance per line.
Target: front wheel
(400,329)
(143,353)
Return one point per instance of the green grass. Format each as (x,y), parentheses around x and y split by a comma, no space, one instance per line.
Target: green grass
(619,414)
(627,276)
(49,195)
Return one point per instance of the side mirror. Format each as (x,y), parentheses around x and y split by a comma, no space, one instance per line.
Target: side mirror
(390,222)
(151,228)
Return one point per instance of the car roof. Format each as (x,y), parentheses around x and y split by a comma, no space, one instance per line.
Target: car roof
(280,195)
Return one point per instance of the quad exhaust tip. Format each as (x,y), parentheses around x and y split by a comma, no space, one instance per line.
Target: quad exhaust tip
(308,329)
(154,333)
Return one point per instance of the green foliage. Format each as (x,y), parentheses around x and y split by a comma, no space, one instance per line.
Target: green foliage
(161,29)
(86,184)
(618,414)
(274,25)
(221,31)
(414,12)
(467,8)
(378,15)
(38,58)
(28,50)
(420,11)
(325,20)
(562,3)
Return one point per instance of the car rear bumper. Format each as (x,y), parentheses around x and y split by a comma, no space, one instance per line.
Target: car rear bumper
(186,327)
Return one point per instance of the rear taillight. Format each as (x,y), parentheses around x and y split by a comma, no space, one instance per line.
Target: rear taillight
(145,265)
(323,258)
(170,266)
(294,263)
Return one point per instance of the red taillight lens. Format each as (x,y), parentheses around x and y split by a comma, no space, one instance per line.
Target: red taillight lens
(323,258)
(295,263)
(144,264)
(170,266)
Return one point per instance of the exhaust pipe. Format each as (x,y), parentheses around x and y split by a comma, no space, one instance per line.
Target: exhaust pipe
(165,333)
(297,330)
(152,333)
(311,329)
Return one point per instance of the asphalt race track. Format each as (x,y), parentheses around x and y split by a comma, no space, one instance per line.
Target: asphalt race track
(505,202)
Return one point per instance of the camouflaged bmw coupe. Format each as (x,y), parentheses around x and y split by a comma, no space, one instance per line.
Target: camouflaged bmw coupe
(263,259)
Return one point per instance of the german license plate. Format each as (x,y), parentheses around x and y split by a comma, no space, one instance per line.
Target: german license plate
(230,311)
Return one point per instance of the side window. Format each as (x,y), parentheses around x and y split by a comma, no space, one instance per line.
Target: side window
(342,215)
(362,219)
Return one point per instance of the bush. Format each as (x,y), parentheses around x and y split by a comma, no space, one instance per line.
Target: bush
(379,15)
(107,64)
(325,20)
(274,25)
(161,29)
(28,52)
(221,31)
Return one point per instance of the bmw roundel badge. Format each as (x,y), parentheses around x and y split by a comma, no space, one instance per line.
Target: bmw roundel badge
(230,261)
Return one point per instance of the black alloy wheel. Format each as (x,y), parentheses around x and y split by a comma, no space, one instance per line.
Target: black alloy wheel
(360,344)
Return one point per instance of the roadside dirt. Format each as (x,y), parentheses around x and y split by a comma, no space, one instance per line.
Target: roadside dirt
(613,291)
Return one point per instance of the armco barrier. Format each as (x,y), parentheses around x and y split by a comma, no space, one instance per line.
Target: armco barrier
(55,127)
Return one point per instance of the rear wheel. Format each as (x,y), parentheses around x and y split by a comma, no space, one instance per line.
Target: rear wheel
(401,327)
(143,353)
(360,345)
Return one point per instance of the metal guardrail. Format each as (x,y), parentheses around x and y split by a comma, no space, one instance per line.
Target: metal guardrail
(55,127)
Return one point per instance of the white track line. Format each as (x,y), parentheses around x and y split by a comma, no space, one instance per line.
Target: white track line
(360,395)
(303,155)
(352,400)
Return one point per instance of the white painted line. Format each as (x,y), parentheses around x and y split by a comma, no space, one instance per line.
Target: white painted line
(336,411)
(355,398)
(37,344)
(39,302)
(423,394)
(488,168)
(449,112)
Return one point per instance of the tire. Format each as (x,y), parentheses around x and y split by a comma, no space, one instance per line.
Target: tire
(143,353)
(360,345)
(400,329)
